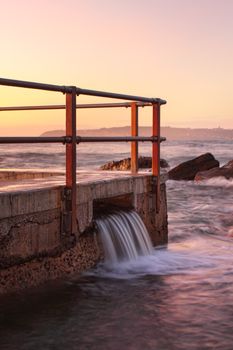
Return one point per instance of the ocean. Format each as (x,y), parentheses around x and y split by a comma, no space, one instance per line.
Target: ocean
(178,297)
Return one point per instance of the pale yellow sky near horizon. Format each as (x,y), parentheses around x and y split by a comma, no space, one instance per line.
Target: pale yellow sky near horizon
(179,50)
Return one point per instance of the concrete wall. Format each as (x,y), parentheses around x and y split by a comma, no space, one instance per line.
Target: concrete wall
(33,246)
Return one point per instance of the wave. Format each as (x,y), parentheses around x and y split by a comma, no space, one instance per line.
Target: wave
(217,182)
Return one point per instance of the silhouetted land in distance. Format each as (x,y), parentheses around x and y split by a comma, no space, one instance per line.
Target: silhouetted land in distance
(169,132)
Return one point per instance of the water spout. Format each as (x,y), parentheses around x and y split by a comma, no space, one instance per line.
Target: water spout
(124,236)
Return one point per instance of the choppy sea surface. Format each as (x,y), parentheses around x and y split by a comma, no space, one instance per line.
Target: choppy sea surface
(179,297)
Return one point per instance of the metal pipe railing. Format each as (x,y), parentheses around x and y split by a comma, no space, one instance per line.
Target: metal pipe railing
(34,139)
(118,139)
(71,139)
(70,191)
(33,85)
(156,151)
(119,96)
(79,91)
(79,139)
(78,106)
(134,133)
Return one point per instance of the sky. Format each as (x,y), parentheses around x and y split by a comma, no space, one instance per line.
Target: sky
(178,50)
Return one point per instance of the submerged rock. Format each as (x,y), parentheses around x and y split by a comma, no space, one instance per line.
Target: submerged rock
(225,171)
(125,164)
(189,169)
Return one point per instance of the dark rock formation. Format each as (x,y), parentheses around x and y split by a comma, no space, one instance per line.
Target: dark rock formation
(163,163)
(125,164)
(189,169)
(229,165)
(225,171)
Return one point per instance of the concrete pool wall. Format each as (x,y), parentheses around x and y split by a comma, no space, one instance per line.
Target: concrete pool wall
(33,245)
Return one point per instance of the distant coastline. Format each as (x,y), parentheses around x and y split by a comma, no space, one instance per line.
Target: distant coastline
(170,133)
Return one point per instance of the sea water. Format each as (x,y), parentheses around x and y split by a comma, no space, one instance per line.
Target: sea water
(177,297)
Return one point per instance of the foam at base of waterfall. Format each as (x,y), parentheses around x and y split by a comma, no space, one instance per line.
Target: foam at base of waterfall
(177,259)
(124,236)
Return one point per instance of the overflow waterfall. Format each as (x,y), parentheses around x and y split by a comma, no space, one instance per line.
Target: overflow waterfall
(124,236)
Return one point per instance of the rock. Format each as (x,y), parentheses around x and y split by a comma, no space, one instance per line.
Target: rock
(225,171)
(163,163)
(189,169)
(125,164)
(229,165)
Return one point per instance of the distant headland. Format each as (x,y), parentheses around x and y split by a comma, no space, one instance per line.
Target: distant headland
(170,133)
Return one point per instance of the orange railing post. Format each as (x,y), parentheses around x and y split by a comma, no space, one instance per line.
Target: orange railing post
(134,132)
(156,151)
(70,191)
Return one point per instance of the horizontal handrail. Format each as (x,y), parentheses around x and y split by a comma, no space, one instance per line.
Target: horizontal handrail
(78,106)
(33,85)
(79,139)
(34,139)
(120,96)
(118,139)
(79,91)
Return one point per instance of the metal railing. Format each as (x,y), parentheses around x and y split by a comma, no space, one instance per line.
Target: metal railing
(71,139)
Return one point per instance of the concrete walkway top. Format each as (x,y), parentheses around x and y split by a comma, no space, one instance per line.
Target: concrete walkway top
(21,180)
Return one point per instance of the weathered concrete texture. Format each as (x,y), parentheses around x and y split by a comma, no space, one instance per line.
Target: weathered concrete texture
(33,245)
(29,225)
(156,223)
(82,256)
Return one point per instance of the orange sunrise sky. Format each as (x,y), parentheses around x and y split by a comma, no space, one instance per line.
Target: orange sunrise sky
(179,50)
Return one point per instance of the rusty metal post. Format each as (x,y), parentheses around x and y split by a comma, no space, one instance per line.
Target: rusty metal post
(70,190)
(156,151)
(134,132)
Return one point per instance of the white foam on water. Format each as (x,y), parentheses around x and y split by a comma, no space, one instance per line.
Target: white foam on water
(217,182)
(160,262)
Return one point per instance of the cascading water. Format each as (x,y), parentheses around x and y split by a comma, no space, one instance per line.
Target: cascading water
(124,236)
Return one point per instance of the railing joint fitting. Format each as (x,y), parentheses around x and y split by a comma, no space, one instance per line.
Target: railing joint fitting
(78,139)
(67,193)
(78,91)
(64,89)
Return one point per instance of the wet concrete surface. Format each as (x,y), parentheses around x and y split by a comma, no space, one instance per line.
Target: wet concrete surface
(31,180)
